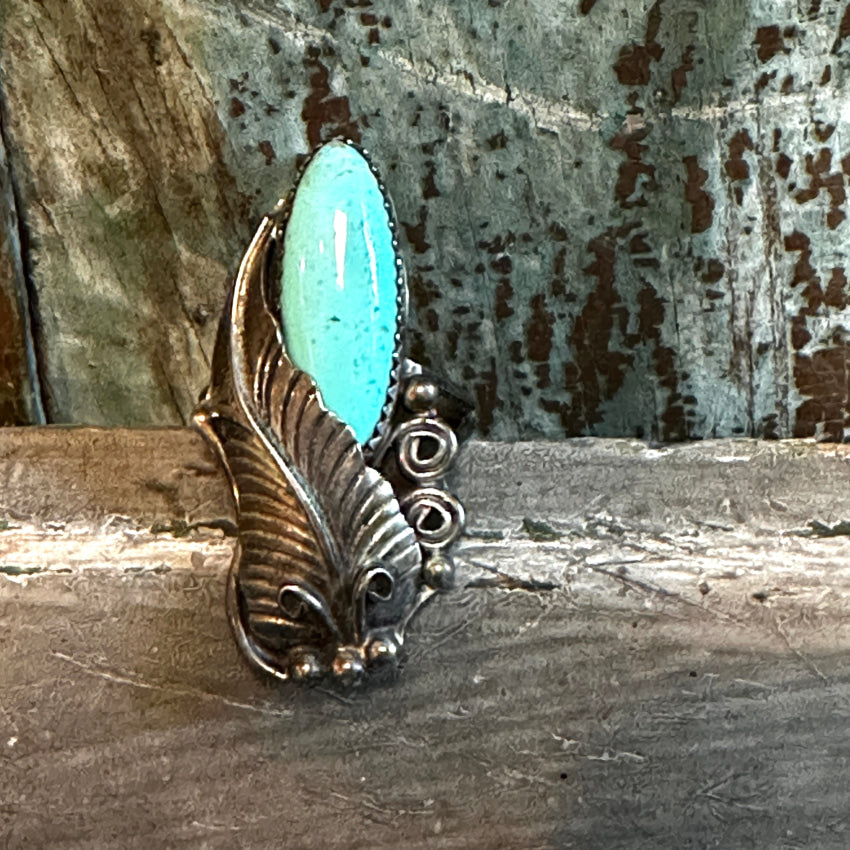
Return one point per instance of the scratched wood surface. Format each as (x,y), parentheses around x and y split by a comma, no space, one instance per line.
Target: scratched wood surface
(646,648)
(621,217)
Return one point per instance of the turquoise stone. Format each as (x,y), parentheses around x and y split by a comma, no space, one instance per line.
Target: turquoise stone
(339,287)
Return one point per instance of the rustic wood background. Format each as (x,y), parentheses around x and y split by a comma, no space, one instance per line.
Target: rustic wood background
(622,217)
(646,648)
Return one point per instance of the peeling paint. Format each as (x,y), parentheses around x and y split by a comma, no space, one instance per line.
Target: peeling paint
(702,204)
(818,168)
(632,65)
(770,42)
(324,114)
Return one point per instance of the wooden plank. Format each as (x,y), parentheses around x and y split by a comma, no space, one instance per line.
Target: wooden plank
(645,648)
(622,219)
(164,477)
(134,223)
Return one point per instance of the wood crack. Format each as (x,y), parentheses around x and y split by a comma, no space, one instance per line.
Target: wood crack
(122,678)
(15,240)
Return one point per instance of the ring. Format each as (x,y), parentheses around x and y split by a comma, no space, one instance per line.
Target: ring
(334,442)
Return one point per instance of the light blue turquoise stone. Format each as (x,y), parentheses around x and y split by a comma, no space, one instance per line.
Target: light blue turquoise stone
(339,287)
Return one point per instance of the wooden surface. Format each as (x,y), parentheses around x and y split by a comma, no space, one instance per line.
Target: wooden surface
(620,218)
(646,648)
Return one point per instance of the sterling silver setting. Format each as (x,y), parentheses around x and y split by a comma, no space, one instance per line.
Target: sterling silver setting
(338,544)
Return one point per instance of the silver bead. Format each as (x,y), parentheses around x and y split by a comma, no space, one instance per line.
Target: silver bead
(382,651)
(348,666)
(306,667)
(420,395)
(439,572)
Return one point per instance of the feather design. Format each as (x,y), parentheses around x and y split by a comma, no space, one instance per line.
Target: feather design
(326,561)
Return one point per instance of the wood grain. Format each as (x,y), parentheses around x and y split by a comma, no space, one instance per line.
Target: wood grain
(645,648)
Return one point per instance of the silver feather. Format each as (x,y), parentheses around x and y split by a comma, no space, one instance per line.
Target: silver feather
(327,568)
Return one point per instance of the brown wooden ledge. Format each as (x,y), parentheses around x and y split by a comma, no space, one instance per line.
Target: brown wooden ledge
(646,647)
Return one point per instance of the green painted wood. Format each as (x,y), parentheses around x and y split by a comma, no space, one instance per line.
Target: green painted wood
(621,218)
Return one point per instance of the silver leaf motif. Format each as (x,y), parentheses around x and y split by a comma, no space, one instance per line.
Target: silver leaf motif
(328,569)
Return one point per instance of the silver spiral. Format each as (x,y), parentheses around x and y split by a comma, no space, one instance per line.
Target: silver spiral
(412,439)
(437,517)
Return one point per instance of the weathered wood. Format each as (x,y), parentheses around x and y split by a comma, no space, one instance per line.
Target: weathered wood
(134,222)
(162,477)
(646,648)
(621,218)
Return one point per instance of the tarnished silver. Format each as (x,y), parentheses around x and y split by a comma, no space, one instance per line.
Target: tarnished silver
(338,544)
(426,447)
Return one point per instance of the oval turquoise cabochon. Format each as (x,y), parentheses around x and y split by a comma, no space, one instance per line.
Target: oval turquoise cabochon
(339,291)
